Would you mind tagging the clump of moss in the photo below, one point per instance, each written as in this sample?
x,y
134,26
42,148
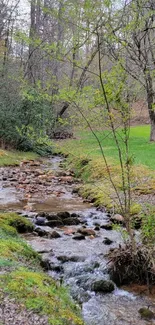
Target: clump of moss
x,y
21,224
12,247
41,293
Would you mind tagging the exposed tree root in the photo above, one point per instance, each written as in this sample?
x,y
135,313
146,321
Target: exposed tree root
x,y
128,266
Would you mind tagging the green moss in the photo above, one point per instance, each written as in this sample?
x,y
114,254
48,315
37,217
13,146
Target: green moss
x,y
41,293
24,280
10,222
12,246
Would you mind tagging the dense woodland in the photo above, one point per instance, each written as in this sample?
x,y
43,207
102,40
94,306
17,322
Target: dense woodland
x,y
67,59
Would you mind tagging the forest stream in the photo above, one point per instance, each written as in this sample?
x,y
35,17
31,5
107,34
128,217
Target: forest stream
x,y
73,238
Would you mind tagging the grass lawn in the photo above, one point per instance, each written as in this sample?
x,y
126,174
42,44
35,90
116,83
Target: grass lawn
x,y
85,159
141,149
11,158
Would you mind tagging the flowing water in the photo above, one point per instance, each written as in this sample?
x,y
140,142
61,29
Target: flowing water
x,y
77,263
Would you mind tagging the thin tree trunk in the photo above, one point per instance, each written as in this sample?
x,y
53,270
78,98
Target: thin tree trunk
x,y
152,134
150,102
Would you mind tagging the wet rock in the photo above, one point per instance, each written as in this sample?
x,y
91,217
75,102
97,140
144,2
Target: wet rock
x,y
79,237
52,217
107,241
117,218
71,221
87,232
63,215
72,258
40,221
55,267
70,231
79,294
102,286
45,262
41,232
63,258
146,313
54,234
97,228
107,226
75,215
54,223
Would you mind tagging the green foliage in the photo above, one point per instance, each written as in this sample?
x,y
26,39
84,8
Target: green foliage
x,y
25,119
148,226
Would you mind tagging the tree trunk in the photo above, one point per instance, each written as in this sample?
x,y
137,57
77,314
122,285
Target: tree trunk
x,y
151,103
152,135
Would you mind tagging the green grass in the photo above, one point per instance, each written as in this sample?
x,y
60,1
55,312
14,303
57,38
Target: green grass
x,y
22,278
141,149
12,158
86,161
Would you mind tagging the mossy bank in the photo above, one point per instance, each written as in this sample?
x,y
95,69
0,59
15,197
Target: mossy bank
x,y
22,278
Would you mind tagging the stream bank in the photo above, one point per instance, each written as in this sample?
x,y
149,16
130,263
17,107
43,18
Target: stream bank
x,y
76,255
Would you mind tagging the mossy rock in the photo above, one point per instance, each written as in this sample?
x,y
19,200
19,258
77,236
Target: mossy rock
x,y
103,286
146,313
15,221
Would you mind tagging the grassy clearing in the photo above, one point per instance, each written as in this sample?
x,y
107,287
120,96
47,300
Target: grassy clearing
x,y
86,161
142,150
13,158
21,277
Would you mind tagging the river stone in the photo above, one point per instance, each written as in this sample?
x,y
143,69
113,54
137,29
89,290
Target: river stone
x,y
50,217
55,267
63,258
40,221
146,313
71,221
72,258
117,218
102,286
54,223
63,215
107,226
87,232
97,228
45,263
107,241
41,232
78,237
54,234
75,215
